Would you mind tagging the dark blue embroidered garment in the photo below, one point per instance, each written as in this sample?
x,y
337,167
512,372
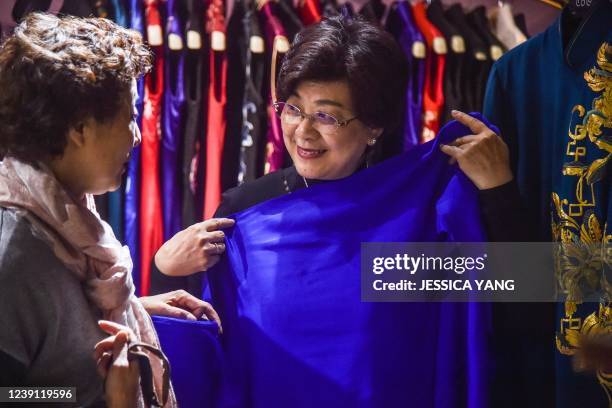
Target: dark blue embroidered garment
x,y
552,103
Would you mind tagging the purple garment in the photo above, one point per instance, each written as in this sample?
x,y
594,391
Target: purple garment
x,y
132,183
416,80
171,148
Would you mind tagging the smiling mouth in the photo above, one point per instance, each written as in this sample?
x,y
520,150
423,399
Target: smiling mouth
x,y
309,153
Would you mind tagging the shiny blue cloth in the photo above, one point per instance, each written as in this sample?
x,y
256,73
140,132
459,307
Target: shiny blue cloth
x,y
296,333
194,353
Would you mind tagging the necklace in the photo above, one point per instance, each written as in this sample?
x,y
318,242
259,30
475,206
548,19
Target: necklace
x,y
286,184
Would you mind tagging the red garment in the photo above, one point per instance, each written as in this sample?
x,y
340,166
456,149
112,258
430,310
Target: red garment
x,y
275,146
217,97
151,222
310,12
433,91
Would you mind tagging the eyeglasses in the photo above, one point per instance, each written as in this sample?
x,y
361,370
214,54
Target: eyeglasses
x,y
292,115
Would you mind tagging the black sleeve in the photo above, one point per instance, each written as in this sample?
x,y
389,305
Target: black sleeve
x,y
503,214
12,372
232,201
161,283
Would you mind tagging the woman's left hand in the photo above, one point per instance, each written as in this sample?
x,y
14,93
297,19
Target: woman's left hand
x,y
181,305
483,156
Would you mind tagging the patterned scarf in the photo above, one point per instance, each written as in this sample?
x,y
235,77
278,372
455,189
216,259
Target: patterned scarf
x,y
83,242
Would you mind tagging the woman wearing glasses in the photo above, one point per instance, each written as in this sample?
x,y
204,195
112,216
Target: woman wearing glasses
x,y
340,98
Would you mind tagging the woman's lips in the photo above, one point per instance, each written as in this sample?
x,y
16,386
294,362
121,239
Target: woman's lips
x,y
309,153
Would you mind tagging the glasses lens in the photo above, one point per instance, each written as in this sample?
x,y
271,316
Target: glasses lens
x,y
290,114
325,119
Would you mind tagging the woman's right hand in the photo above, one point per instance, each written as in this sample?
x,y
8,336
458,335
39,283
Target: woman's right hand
x,y
196,248
121,375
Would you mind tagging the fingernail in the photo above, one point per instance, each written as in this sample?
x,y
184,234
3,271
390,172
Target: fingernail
x,y
454,112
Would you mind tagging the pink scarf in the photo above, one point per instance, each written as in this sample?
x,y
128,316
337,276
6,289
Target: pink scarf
x,y
83,242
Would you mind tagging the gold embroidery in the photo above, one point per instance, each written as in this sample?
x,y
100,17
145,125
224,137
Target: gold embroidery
x,y
585,253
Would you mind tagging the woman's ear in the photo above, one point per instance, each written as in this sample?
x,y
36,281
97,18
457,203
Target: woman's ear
x,y
76,135
376,132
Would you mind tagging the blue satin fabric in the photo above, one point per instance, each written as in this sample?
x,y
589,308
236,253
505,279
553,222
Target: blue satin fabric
x,y
194,352
288,291
296,333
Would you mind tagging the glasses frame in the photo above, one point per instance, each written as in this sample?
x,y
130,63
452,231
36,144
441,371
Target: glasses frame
x,y
278,108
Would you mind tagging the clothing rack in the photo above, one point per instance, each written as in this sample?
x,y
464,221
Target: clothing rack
x,y
210,124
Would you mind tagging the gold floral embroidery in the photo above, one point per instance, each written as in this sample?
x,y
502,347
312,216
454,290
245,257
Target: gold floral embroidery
x,y
584,254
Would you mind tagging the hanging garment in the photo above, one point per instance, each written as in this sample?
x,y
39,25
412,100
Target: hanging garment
x,y
120,15
454,66
477,60
253,107
310,12
115,198
373,11
329,8
237,48
549,97
102,205
194,133
414,47
353,353
171,143
132,181
289,18
521,23
277,44
102,9
505,28
115,211
78,8
151,220
215,133
194,162
480,24
173,125
433,92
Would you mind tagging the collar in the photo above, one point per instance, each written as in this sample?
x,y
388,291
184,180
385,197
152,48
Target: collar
x,y
592,31
292,181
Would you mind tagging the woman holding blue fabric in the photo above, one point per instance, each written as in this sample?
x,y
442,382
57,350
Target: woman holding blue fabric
x,y
341,93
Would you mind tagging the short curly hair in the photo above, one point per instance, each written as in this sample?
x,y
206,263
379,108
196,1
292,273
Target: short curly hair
x,y
58,71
